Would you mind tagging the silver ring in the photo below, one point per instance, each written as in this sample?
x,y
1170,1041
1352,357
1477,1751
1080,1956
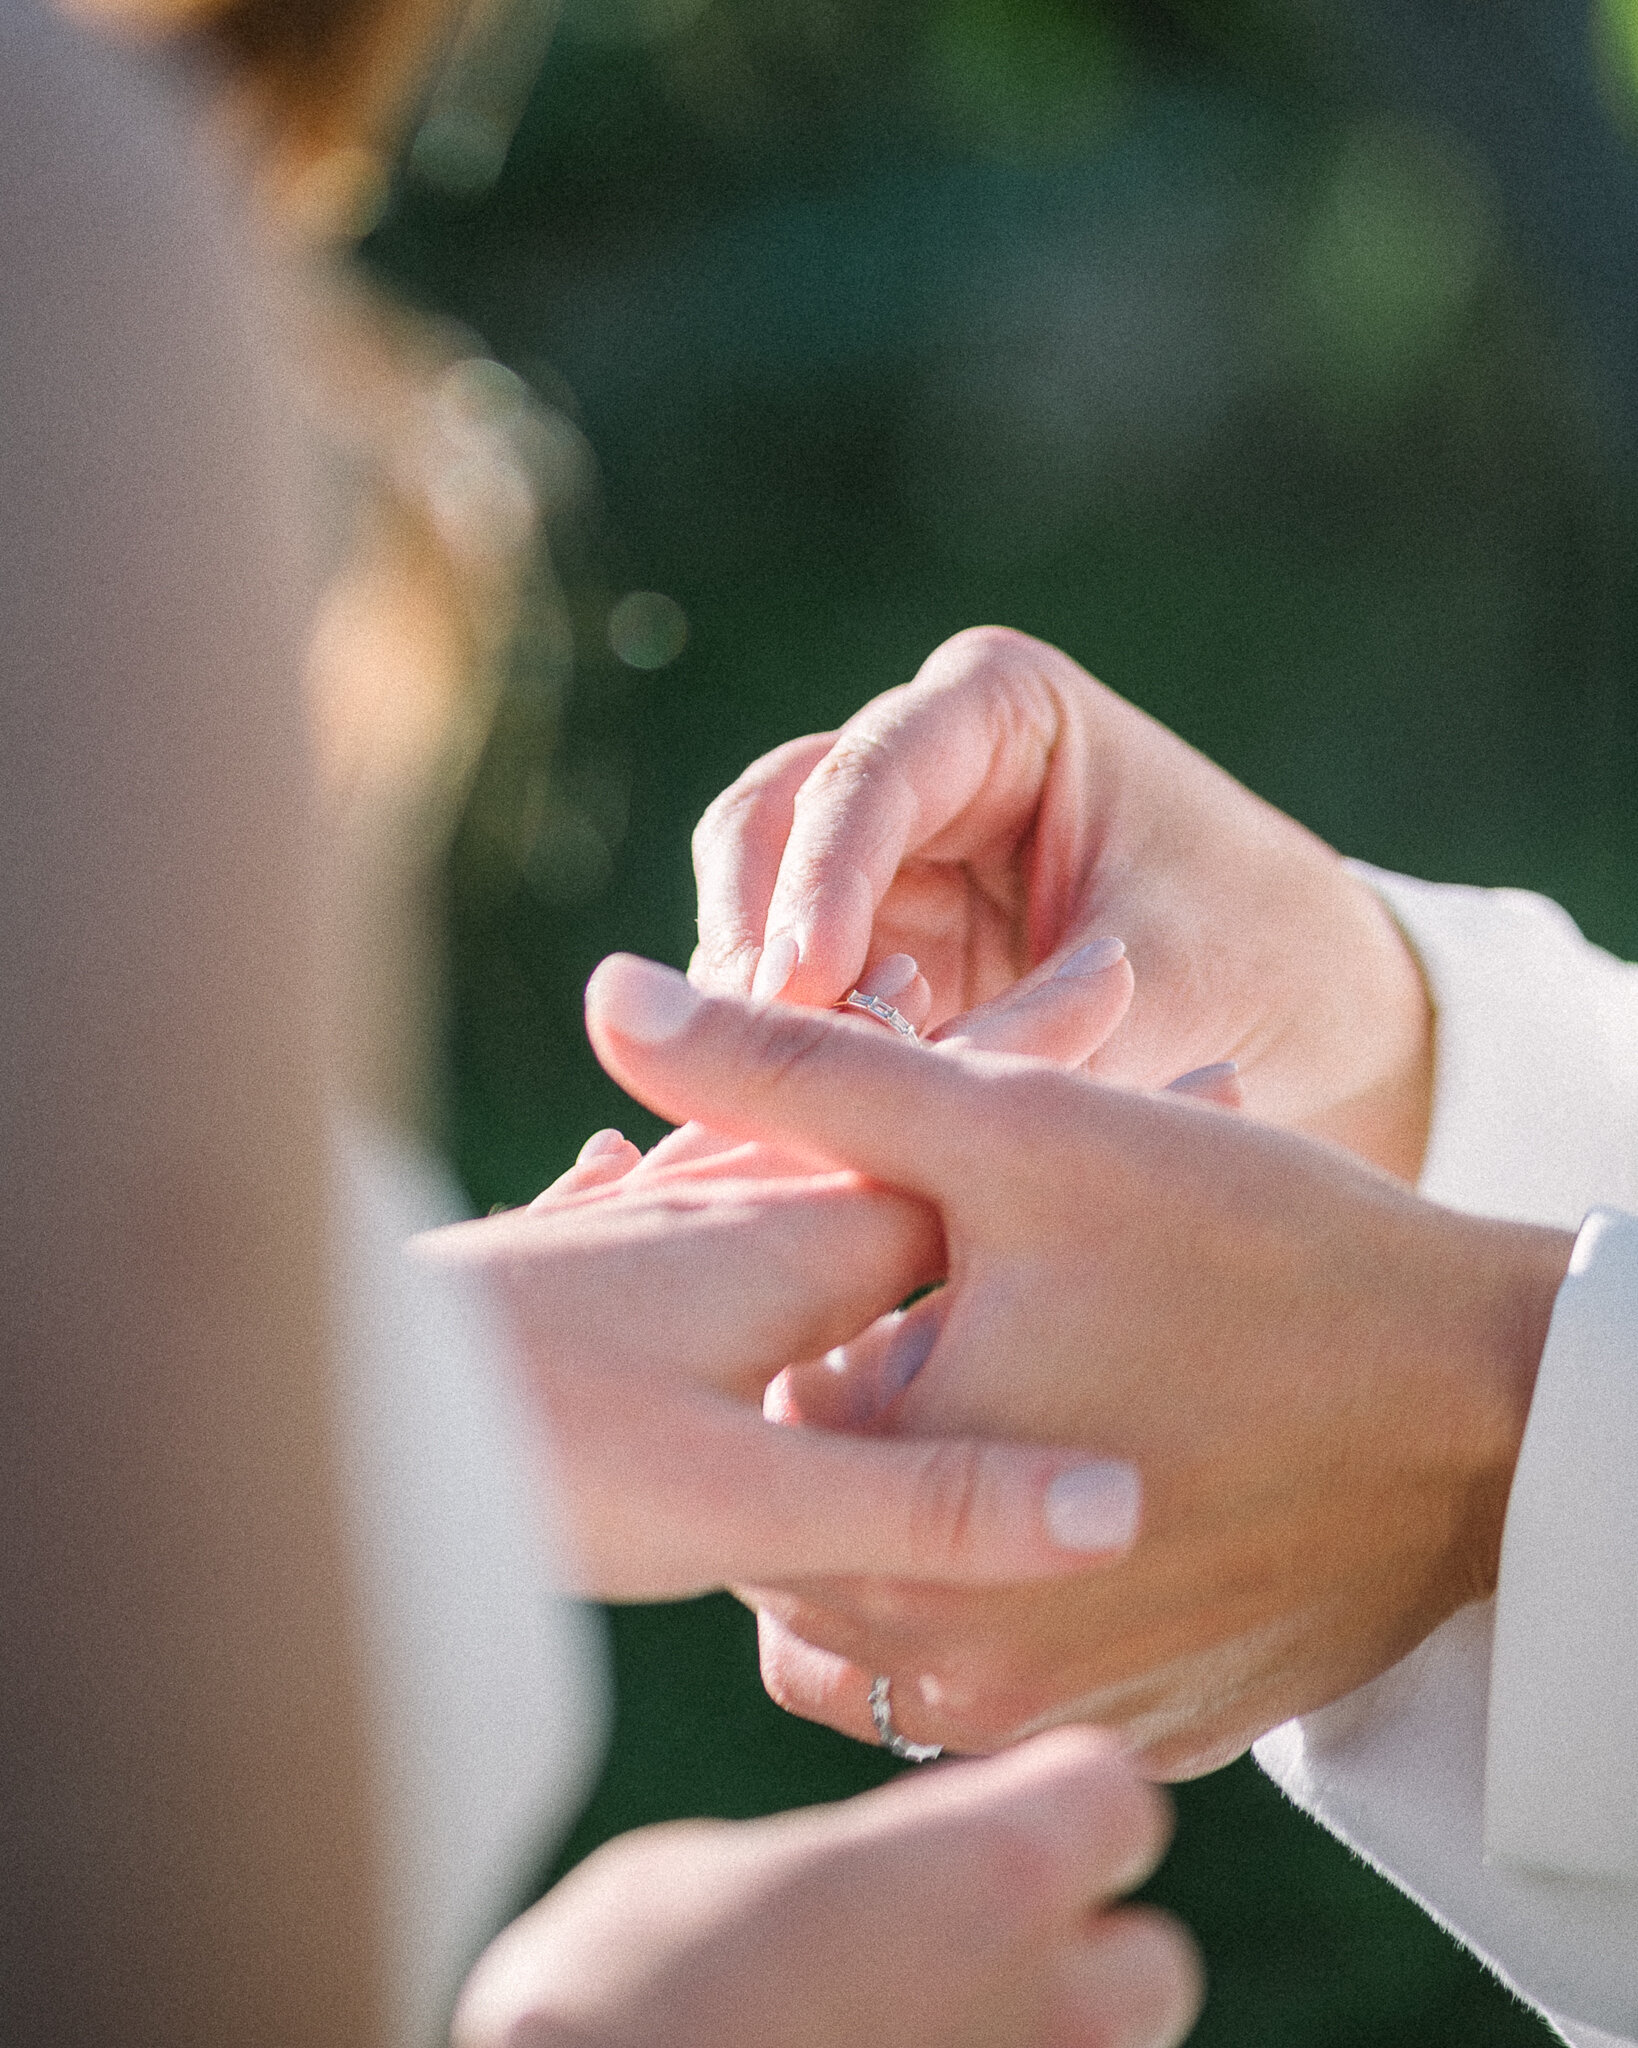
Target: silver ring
x,y
882,1011
881,1712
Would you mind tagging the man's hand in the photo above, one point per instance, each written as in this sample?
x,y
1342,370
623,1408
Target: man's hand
x,y
966,1907
1321,1380
1002,811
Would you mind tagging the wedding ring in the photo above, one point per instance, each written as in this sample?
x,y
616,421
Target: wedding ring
x,y
881,1712
882,1011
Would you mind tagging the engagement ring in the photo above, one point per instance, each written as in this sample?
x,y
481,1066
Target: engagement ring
x,y
883,1012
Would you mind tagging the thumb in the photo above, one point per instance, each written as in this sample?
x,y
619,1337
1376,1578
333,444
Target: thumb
x,y
840,1090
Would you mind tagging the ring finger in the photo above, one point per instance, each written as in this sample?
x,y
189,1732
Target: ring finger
x,y
821,1686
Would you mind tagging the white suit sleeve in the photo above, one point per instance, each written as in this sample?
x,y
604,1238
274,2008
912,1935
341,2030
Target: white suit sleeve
x,y
1493,1774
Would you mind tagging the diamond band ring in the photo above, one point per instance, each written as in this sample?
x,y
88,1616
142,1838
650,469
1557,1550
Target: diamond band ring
x,y
882,1011
881,1712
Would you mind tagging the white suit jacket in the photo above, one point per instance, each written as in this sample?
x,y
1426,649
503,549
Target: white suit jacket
x,y
1493,1774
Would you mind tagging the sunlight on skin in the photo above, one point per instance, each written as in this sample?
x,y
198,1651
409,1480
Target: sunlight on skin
x,y
1230,1336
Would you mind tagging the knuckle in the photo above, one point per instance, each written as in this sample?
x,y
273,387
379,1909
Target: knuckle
x,y
991,645
726,817
722,961
720,820
945,1502
783,1043
852,765
779,1680
793,1684
860,784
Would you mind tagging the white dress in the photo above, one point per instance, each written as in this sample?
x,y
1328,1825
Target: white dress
x,y
1493,1774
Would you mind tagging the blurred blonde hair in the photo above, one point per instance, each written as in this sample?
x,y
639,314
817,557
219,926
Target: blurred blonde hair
x,y
441,462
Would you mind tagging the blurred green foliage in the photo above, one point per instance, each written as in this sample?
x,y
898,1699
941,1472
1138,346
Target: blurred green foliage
x,y
1155,327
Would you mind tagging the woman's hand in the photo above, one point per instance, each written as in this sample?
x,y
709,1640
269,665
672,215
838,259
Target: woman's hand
x,y
651,1306
1320,1380
1002,811
964,1907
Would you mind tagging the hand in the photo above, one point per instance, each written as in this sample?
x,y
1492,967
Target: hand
x,y
1321,1379
1063,1011
1003,810
650,1309
964,1907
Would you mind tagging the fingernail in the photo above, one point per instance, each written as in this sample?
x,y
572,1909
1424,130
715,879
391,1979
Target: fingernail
x,y
1201,1080
1093,958
906,1354
890,977
775,968
640,999
600,1144
1094,1507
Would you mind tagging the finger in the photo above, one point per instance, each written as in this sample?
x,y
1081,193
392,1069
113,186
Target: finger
x,y
967,746
1064,1011
819,1682
1134,1980
899,980
813,1683
606,1156
692,1144
984,1870
837,1089
1089,1826
855,1383
698,1281
738,845
889,977
1218,1084
800,1502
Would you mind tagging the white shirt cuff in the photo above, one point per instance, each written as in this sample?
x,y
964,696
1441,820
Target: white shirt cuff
x,y
1535,1119
1561,1764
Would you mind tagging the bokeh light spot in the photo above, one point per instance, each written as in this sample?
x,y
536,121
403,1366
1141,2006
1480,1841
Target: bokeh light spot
x,y
647,629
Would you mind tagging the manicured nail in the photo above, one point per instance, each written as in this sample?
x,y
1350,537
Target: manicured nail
x,y
889,977
1094,1507
1095,958
600,1144
775,968
907,1352
640,999
1204,1080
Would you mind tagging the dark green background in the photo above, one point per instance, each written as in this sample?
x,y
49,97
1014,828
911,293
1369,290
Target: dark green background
x,y
1261,358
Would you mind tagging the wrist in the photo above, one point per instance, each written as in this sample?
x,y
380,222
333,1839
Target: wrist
x,y
1518,1270
1387,1121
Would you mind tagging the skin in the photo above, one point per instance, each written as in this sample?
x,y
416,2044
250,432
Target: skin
x,y
994,1879
650,1312
1322,1379
1002,809
972,1903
